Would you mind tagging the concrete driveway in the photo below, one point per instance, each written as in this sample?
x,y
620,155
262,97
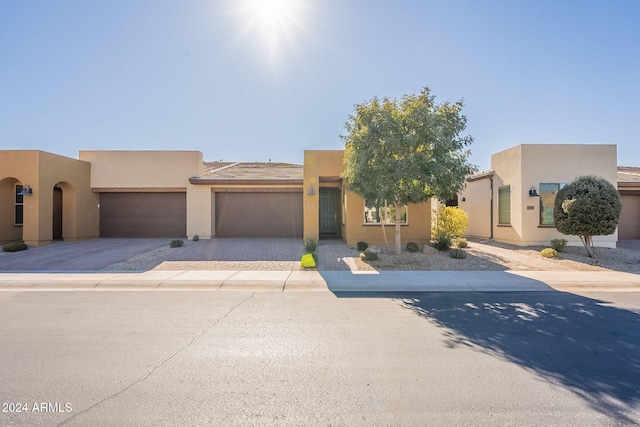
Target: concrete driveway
x,y
86,255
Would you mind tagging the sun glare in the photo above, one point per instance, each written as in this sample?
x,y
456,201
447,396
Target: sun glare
x,y
274,24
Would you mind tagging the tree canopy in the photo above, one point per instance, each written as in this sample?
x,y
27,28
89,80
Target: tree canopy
x,y
406,151
588,206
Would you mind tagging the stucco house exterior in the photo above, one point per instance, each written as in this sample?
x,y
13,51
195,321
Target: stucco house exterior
x,y
105,193
513,202
175,194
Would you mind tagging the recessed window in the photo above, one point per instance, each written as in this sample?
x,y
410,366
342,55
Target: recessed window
x,y
383,213
504,205
18,217
548,193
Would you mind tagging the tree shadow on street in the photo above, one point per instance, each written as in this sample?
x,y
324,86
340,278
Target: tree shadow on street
x,y
582,344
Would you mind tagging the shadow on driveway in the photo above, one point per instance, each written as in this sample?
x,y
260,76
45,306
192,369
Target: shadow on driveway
x,y
582,344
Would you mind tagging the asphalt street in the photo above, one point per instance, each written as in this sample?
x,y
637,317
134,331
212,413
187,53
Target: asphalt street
x,y
79,358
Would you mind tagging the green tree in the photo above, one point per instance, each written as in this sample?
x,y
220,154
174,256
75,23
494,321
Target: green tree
x,y
406,151
589,206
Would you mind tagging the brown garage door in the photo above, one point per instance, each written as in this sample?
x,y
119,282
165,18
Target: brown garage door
x,y
629,225
143,214
258,214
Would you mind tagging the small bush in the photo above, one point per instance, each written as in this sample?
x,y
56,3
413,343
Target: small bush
x,y
308,261
195,238
442,243
176,243
15,247
549,253
362,246
461,243
413,247
559,244
368,256
457,253
310,245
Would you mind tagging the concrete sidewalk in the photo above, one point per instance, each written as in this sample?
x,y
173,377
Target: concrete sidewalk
x,y
335,281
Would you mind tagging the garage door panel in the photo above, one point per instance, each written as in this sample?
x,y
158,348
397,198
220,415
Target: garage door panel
x,y
629,225
258,214
143,215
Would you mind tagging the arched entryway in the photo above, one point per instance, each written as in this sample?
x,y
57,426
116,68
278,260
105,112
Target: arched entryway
x,y
64,211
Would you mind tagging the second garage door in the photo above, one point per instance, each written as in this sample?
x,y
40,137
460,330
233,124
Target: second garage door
x,y
258,214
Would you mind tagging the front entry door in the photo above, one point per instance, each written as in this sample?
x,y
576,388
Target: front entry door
x,y
329,211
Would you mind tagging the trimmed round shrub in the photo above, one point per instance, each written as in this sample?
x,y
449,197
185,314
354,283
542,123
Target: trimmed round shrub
x,y
176,243
461,243
413,247
15,247
362,246
308,261
549,253
196,238
368,256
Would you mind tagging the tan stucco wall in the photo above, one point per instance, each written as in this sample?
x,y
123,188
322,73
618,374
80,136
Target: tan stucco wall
x,y
142,169
475,200
320,164
42,171
154,171
529,165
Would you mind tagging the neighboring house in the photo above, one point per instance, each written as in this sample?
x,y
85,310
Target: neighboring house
x,y
514,201
176,194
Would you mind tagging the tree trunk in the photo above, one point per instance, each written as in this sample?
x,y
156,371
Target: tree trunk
x,y
587,241
398,240
384,230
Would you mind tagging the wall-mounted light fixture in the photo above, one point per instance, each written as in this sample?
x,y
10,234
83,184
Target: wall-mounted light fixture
x,y
464,199
26,191
533,192
311,191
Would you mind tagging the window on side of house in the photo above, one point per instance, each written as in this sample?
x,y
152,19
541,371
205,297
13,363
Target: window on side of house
x,y
504,205
19,207
383,212
548,193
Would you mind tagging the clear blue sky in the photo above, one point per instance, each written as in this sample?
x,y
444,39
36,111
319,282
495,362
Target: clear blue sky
x,y
241,81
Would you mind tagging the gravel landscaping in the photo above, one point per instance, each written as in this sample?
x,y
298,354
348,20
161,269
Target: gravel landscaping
x,y
484,255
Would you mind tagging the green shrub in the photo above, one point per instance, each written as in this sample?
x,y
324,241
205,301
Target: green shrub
x,y
442,243
308,261
368,256
549,253
195,238
457,253
310,244
559,244
413,247
450,222
176,243
461,243
15,247
362,246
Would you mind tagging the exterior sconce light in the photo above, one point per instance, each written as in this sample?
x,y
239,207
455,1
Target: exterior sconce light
x,y
311,191
533,192
26,191
464,199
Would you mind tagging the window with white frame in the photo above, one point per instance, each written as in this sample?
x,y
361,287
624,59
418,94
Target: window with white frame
x,y
18,217
382,212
